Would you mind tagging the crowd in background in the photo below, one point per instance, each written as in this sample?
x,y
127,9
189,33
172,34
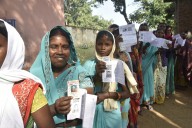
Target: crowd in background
x,y
38,98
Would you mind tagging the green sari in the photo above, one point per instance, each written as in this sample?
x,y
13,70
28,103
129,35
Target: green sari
x,y
170,86
148,61
57,87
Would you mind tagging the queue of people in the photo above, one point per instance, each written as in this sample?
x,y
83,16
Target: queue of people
x,y
38,97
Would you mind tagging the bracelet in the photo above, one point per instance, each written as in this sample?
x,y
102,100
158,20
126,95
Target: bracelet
x,y
119,95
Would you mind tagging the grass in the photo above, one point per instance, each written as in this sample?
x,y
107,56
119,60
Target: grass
x,y
85,53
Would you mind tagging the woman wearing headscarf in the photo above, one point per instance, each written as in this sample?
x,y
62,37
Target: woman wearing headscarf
x,y
55,65
170,83
148,60
113,105
128,59
160,73
21,95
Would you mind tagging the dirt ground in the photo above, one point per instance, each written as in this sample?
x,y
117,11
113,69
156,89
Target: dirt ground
x,y
176,112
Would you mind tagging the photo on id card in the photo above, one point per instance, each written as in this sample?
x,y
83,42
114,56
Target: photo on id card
x,y
73,90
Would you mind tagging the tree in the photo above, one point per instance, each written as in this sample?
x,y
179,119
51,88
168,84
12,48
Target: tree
x,y
154,12
78,13
151,11
120,6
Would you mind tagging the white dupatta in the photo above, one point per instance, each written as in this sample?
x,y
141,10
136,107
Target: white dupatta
x,y
10,72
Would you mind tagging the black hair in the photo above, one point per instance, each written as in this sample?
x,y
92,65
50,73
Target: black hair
x,y
160,29
106,33
3,29
115,28
167,27
143,25
59,31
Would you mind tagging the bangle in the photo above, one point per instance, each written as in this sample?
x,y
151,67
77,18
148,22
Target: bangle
x,y
118,96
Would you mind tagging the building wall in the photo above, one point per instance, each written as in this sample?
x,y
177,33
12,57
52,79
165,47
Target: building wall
x,y
183,15
84,41
33,19
82,36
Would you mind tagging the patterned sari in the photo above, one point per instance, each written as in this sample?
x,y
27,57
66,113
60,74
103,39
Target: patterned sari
x,y
135,101
159,81
19,89
28,95
57,87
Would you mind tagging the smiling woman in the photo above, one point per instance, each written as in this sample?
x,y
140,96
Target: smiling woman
x,y
55,65
59,51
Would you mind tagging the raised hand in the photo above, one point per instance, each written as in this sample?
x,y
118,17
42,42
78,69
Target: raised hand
x,y
62,105
100,67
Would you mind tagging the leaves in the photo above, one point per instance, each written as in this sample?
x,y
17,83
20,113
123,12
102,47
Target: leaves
x,y
78,13
153,12
120,6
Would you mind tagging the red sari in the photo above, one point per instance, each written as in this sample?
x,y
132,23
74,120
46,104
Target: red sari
x,y
24,92
135,100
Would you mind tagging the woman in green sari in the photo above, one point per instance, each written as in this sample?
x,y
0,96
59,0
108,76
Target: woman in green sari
x,y
55,65
149,59
170,85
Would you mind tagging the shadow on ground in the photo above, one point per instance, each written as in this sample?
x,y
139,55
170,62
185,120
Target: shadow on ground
x,y
176,112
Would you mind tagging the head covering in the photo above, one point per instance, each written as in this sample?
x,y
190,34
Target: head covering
x,y
122,70
42,64
10,72
112,51
43,70
15,51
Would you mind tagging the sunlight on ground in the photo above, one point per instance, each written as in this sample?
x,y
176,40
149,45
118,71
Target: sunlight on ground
x,y
166,119
179,102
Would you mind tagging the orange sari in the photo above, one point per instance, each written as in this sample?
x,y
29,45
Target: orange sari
x,y
24,92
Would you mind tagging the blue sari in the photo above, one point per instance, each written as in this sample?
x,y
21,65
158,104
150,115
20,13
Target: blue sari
x,y
148,61
108,119
170,85
57,87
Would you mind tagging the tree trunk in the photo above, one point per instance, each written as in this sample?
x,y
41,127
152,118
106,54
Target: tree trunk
x,y
124,13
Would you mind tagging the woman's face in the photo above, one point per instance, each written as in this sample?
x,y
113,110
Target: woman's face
x,y
169,31
3,49
104,46
143,28
160,33
59,51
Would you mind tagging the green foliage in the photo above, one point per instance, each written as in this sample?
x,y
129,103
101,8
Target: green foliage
x,y
78,13
153,12
120,6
